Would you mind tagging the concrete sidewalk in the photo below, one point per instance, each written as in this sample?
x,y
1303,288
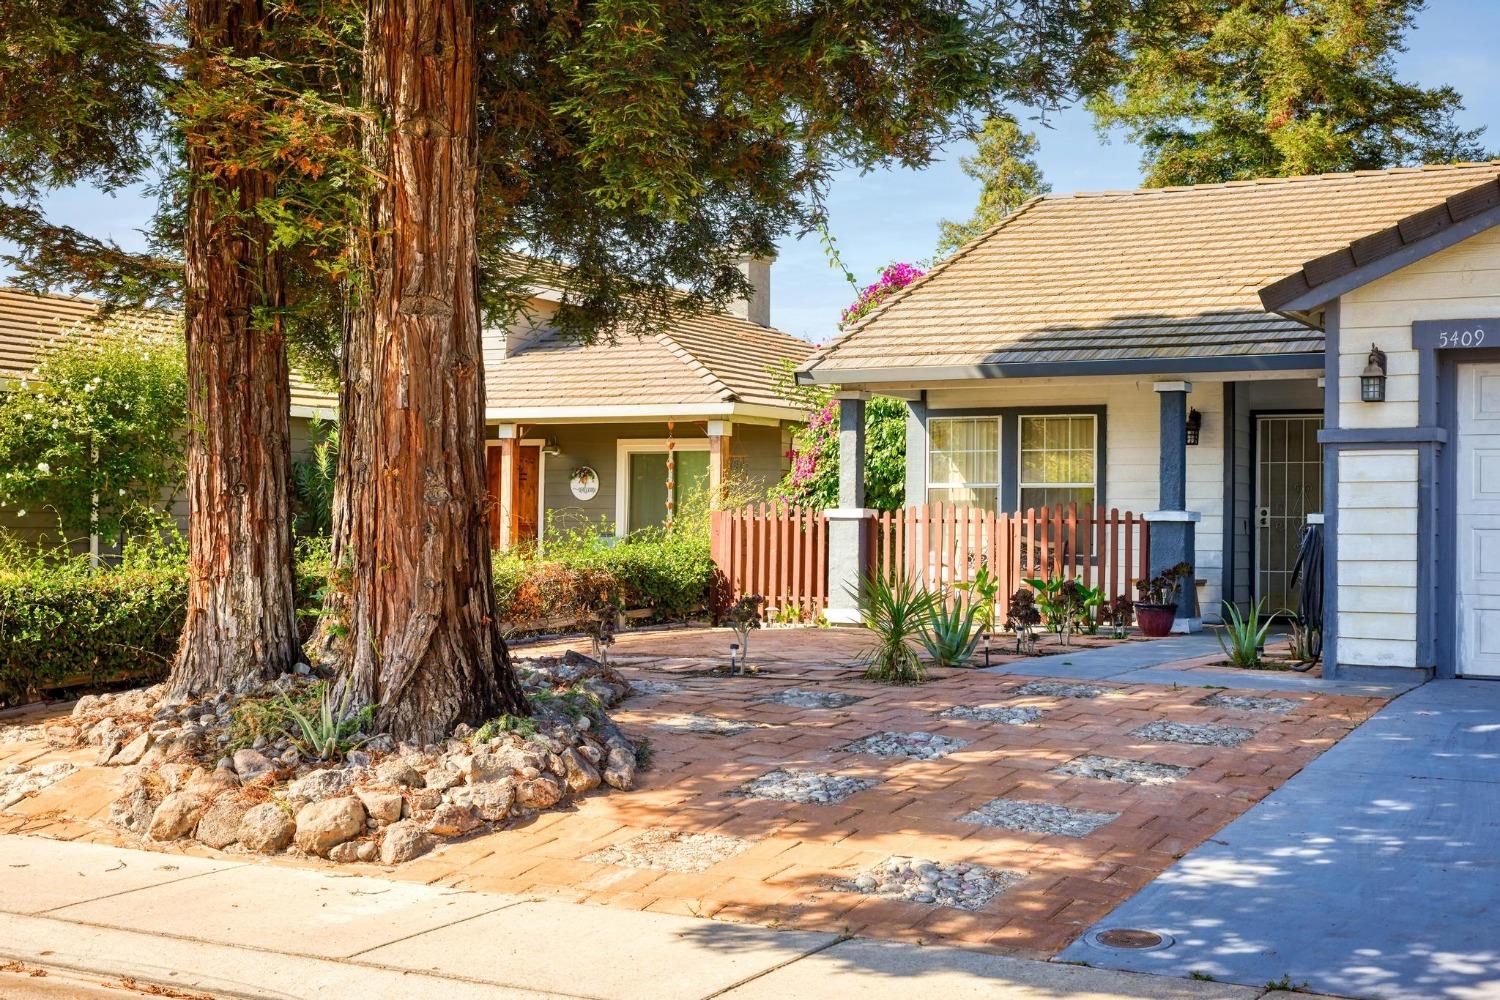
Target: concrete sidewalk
x,y
1373,872
261,930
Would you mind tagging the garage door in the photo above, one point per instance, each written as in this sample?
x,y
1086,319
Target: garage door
x,y
1478,517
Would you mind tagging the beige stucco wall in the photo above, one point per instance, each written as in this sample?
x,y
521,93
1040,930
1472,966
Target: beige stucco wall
x,y
1377,498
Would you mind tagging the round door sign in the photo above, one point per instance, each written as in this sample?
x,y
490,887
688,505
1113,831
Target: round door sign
x,y
585,483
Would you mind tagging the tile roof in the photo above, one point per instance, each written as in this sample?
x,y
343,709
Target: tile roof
x,y
28,323
1159,273
707,359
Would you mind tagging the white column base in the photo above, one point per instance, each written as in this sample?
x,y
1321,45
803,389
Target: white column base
x,y
843,617
1187,626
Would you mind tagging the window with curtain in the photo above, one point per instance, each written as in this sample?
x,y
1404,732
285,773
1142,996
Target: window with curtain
x,y
1058,460
963,461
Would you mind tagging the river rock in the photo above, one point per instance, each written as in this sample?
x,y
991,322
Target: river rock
x,y
321,825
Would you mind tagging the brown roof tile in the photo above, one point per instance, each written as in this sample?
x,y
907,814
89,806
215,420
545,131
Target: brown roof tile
x,y
1152,274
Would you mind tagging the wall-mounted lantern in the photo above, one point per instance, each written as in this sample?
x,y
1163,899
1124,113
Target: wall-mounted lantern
x,y
1194,426
1372,379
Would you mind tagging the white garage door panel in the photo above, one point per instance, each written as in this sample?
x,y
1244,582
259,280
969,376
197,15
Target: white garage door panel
x,y
1477,521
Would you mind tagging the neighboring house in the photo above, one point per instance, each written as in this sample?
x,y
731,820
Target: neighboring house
x,y
581,433
557,411
1074,351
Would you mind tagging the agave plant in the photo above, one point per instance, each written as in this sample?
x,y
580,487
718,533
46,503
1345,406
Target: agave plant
x,y
330,731
895,609
1243,636
949,635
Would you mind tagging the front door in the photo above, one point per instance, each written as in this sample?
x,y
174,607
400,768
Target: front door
x,y
1288,487
528,486
1478,520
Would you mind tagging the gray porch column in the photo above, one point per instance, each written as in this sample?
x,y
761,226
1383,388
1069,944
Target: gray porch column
x,y
1173,526
848,532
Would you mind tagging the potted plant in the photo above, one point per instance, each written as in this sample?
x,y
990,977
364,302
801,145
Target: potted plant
x,y
1156,607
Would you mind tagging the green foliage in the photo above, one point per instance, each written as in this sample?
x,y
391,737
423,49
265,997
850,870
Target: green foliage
x,y
312,482
1164,586
813,479
1004,163
575,703
1218,90
1243,636
322,726
950,634
96,430
896,609
984,590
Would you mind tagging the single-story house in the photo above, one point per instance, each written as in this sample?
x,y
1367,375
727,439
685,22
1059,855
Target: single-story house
x,y
1235,361
580,434
583,433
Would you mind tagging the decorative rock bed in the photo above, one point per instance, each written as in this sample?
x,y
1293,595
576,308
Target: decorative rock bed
x,y
18,781
1038,817
1134,772
806,787
1059,689
1203,734
649,688
671,851
803,698
913,746
1006,715
1250,703
958,885
189,774
707,725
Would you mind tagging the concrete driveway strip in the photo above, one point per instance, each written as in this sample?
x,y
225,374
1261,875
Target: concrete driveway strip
x,y
287,909
223,970
1372,873
888,970
601,951
38,874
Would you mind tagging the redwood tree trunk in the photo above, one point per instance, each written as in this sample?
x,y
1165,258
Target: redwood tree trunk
x,y
241,624
420,639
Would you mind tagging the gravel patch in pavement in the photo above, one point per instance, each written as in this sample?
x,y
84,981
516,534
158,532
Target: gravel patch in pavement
x,y
671,851
1007,715
1058,689
803,698
1134,772
650,687
708,725
959,885
1038,817
1203,734
912,746
18,781
806,787
1250,703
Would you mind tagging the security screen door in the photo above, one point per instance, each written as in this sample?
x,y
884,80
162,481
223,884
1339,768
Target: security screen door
x,y
1288,487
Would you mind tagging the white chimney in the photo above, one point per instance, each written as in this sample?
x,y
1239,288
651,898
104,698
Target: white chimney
x,y
757,307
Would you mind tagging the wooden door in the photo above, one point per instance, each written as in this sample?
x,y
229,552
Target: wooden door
x,y
494,462
528,493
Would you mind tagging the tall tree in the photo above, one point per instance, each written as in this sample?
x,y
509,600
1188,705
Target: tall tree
x,y
1218,90
1004,163
241,626
422,639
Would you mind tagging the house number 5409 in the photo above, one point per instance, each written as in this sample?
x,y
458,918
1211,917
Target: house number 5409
x,y
1461,338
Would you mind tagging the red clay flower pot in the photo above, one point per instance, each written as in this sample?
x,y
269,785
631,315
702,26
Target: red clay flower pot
x,y
1155,620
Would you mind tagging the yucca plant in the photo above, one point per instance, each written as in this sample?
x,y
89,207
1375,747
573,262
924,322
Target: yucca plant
x,y
327,733
895,609
1243,636
949,635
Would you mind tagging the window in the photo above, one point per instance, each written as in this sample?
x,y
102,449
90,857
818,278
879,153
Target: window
x,y
1057,460
642,482
963,461
1014,460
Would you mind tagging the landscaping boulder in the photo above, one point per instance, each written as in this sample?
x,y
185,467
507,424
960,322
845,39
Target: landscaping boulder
x,y
322,825
539,793
619,768
383,807
398,772
329,783
404,841
344,853
492,765
132,752
493,799
580,775
252,764
177,815
265,828
220,824
452,819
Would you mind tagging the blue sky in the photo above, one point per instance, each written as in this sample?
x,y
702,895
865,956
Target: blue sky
x,y
893,215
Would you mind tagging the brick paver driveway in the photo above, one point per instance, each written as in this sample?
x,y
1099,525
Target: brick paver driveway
x,y
796,863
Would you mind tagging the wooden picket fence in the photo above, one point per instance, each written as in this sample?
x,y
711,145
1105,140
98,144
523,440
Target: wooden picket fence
x,y
777,551
781,552
943,546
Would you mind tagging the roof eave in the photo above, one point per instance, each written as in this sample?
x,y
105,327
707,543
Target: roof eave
x,y
1297,361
